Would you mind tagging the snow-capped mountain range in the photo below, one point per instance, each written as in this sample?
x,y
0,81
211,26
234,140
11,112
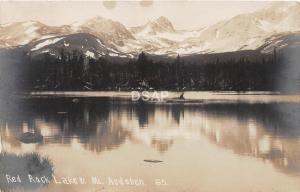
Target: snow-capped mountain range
x,y
100,36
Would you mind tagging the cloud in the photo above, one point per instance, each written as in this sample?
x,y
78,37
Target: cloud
x,y
111,4
146,3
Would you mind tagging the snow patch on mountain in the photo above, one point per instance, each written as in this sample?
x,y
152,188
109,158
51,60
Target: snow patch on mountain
x,y
241,32
113,54
29,23
66,44
90,54
30,30
46,43
101,44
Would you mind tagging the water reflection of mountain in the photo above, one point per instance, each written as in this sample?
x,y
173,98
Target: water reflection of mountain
x,y
270,132
265,131
62,121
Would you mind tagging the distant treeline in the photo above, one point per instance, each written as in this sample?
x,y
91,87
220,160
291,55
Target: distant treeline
x,y
74,71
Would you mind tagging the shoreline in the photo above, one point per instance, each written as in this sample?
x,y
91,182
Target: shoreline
x,y
189,96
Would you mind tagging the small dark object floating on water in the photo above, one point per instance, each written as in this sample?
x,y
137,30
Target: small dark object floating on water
x,y
30,137
152,161
181,96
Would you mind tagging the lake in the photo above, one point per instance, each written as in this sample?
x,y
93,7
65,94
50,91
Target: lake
x,y
234,142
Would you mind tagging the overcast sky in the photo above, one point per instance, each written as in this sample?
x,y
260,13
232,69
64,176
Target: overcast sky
x,y
183,14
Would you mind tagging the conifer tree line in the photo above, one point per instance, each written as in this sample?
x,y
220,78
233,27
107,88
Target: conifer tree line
x,y
75,71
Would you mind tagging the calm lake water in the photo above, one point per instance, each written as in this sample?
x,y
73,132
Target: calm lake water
x,y
246,145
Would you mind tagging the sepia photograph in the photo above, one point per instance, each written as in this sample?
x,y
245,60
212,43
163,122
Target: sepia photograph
x,y
149,96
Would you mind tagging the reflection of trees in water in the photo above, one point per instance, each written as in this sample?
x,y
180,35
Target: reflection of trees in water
x,y
139,120
266,131
177,112
62,120
143,111
278,119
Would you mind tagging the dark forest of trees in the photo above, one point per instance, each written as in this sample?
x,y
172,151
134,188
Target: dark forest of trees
x,y
74,71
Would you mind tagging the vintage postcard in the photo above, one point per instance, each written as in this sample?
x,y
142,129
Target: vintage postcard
x,y
149,96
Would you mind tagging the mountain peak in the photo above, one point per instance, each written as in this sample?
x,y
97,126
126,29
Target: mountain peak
x,y
162,24
30,22
280,5
163,19
105,28
159,25
99,20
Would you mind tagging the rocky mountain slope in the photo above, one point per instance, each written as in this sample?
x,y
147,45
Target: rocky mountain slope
x,y
249,31
88,44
